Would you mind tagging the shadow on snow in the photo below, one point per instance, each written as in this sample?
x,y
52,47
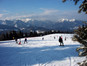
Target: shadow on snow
x,y
18,56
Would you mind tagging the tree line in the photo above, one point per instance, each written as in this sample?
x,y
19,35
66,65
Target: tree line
x,y
11,35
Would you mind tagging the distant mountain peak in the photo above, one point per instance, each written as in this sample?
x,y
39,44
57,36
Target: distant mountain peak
x,y
15,25
72,20
26,20
4,23
62,20
65,19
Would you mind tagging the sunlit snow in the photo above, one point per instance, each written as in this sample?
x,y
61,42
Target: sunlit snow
x,y
38,52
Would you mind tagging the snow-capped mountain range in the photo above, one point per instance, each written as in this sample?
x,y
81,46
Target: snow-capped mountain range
x,y
29,24
69,20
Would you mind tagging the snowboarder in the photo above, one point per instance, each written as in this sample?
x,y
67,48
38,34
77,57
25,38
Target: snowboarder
x,y
25,41
61,41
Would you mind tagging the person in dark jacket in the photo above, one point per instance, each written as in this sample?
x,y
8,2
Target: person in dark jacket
x,y
61,41
25,41
42,38
16,40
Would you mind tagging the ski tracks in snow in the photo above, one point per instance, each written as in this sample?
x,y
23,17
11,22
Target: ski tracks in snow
x,y
38,52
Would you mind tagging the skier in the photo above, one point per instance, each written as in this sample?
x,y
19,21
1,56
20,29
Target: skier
x,y
25,40
54,37
65,38
42,38
16,40
61,41
19,41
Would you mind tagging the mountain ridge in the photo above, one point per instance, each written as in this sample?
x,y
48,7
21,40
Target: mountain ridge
x,y
63,24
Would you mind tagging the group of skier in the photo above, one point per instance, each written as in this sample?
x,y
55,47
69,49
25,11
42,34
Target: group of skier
x,y
19,42
60,40
25,40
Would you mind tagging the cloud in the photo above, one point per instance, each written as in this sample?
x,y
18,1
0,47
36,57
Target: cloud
x,y
46,14
17,16
5,11
1,15
48,11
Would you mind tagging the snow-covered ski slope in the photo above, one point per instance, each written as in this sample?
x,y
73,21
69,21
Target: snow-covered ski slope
x,y
38,52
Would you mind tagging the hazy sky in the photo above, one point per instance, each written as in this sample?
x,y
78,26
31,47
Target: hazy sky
x,y
40,9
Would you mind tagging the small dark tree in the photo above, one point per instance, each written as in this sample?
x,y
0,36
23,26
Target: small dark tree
x,y
2,37
7,36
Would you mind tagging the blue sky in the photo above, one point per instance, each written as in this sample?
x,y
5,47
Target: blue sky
x,y
40,9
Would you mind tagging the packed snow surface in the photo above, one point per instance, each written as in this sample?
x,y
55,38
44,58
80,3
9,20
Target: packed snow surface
x,y
38,52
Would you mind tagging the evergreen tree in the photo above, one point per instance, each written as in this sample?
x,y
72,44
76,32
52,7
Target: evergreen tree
x,y
81,32
82,7
81,37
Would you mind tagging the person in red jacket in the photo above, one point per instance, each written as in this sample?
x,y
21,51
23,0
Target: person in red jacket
x,y
20,42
